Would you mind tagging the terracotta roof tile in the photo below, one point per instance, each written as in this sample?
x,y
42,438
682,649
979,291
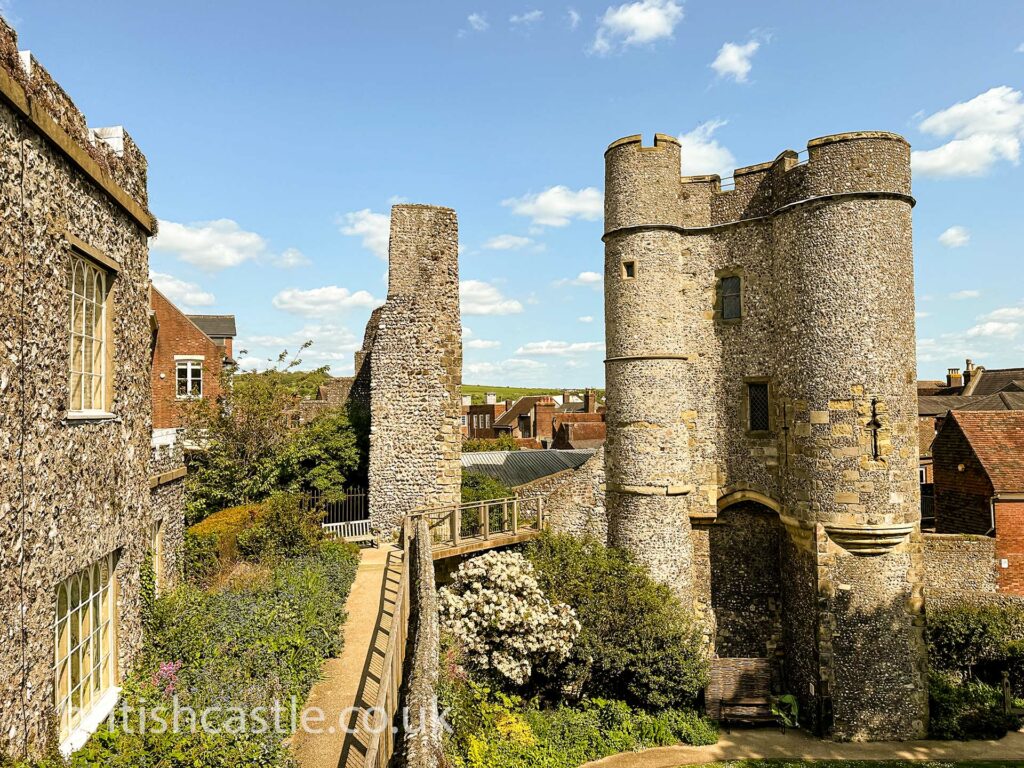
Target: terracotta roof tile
x,y
997,438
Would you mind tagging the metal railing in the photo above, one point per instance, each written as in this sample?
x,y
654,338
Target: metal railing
x,y
353,507
381,745
481,521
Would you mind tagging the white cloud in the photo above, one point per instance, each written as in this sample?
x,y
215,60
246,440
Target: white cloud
x,y
586,319
507,243
1007,313
996,329
965,294
559,347
518,370
591,279
922,315
373,228
733,60
955,237
527,18
1020,48
574,18
702,154
480,298
557,206
183,294
636,23
333,345
983,130
209,245
478,22
291,258
482,344
322,302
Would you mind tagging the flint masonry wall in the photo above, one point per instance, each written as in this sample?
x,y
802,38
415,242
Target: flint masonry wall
x,y
823,250
71,491
414,353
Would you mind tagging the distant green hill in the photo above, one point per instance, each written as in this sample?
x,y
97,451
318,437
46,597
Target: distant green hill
x,y
477,391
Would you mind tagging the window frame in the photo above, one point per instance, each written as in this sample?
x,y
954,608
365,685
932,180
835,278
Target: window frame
x,y
96,616
629,269
720,277
101,272
770,394
189,361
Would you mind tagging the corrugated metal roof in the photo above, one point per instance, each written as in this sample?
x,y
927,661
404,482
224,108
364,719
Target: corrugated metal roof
x,y
515,468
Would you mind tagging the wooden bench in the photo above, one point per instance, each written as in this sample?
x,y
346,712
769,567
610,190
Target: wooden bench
x,y
353,530
739,691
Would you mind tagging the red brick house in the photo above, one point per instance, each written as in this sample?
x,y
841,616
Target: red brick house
x,y
579,425
220,328
186,362
480,417
529,420
979,484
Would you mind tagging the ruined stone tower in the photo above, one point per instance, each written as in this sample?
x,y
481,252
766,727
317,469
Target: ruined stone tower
x,y
762,447
409,372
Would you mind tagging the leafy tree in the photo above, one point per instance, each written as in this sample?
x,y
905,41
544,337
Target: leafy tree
x,y
638,643
239,435
480,487
505,442
321,456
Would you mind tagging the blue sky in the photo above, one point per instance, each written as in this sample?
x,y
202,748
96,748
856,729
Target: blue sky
x,y
279,134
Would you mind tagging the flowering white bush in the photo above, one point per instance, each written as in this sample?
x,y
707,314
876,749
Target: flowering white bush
x,y
497,611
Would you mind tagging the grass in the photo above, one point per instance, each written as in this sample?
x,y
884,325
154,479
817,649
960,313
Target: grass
x,y
477,391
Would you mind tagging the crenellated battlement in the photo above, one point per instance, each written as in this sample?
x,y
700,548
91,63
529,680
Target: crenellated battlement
x,y
109,155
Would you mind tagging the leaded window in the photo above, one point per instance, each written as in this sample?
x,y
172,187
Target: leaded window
x,y
758,406
87,294
85,666
730,298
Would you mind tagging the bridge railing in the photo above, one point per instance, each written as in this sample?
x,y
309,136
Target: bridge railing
x,y
381,745
479,521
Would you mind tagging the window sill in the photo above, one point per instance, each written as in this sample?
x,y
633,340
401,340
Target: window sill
x,y
99,712
89,416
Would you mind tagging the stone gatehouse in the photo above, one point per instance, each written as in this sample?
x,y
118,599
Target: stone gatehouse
x,y
762,425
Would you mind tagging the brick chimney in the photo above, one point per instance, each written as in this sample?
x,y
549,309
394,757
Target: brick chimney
x,y
490,398
544,418
969,371
566,396
954,378
590,401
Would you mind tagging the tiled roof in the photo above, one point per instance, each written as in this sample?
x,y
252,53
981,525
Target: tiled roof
x,y
1001,401
926,435
997,438
515,468
938,405
215,326
990,382
520,407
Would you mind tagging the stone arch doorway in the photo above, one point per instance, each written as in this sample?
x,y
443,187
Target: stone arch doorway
x,y
745,554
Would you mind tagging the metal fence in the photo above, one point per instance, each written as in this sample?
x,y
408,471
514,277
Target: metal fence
x,y
352,508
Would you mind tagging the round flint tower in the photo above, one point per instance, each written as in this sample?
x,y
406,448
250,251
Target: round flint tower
x,y
647,453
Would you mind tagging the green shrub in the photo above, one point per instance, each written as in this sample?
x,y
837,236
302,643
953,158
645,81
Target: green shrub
x,y
199,554
285,527
977,640
226,525
966,709
638,642
503,443
493,729
260,639
480,487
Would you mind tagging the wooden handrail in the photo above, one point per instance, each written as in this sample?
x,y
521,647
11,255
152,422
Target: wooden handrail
x,y
490,521
381,745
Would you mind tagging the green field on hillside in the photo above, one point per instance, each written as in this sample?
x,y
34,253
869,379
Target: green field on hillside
x,y
477,391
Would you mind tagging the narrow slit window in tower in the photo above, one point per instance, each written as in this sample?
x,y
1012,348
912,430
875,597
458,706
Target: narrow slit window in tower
x,y
757,406
629,269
